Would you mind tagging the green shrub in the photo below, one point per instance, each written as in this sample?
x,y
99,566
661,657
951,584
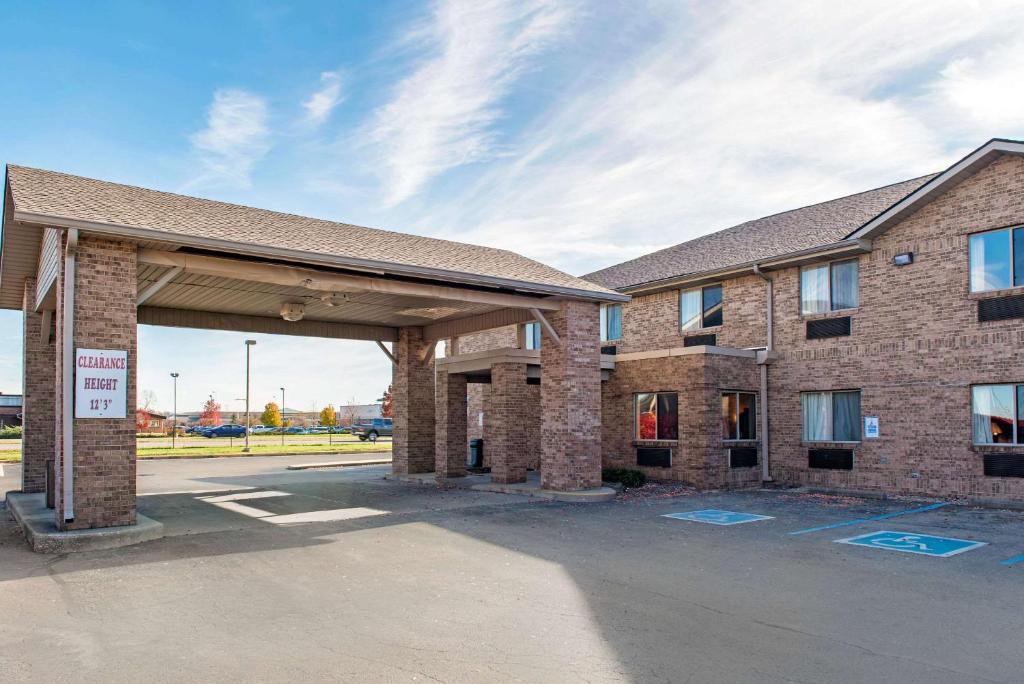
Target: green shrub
x,y
629,479
13,432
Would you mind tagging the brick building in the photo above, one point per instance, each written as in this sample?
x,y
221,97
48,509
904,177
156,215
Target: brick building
x,y
883,332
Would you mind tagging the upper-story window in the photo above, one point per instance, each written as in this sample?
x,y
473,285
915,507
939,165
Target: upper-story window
x,y
700,307
828,287
531,335
611,322
997,259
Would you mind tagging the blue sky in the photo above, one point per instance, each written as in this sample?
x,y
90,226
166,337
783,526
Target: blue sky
x,y
580,134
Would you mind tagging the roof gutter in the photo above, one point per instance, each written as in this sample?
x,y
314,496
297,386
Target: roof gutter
x,y
373,266
834,249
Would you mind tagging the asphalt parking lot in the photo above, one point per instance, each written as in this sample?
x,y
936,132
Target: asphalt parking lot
x,y
337,574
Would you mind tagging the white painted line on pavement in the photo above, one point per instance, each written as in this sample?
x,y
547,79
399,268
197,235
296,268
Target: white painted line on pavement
x,y
244,496
243,510
198,491
325,516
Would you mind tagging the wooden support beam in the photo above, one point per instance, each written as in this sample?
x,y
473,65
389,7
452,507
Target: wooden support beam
x,y
387,352
158,285
547,327
323,281
211,320
428,351
470,324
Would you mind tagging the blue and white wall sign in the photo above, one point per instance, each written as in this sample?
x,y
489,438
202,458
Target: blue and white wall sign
x,y
909,542
717,517
870,427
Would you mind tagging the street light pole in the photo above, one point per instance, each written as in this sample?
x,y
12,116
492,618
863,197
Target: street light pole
x,y
248,346
174,419
282,416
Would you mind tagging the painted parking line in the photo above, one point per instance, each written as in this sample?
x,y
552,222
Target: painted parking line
x,y
714,516
1014,560
884,516
910,542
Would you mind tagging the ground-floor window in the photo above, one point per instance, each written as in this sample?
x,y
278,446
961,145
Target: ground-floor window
x,y
831,416
739,415
657,415
998,414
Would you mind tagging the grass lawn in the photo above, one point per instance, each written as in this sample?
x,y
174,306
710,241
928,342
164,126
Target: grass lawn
x,y
256,450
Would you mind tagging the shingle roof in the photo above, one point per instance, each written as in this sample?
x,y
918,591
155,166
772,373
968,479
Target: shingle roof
x,y
764,238
54,194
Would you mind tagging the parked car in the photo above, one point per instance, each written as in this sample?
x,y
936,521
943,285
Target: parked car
x,y
226,430
262,429
295,430
371,430
319,430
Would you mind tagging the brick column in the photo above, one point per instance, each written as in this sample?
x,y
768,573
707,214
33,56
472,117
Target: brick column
x,y
451,442
412,450
103,452
38,426
570,397
505,423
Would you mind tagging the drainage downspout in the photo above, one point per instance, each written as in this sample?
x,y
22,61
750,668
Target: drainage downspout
x,y
766,475
68,379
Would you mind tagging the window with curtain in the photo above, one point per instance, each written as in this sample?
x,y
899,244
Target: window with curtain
x,y
996,259
829,287
611,322
831,416
997,414
700,307
531,334
657,415
739,415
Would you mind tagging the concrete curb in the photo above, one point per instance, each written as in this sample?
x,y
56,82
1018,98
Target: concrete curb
x,y
597,495
338,464
252,455
36,521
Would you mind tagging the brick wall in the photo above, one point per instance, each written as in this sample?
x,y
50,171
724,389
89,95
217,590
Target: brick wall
x,y
104,449
450,425
38,404
916,348
414,405
700,456
504,422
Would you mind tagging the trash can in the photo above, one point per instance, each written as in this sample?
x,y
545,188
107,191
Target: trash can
x,y
476,453
51,485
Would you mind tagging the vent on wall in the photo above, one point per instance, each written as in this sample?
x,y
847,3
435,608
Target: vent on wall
x,y
1004,465
828,327
1001,308
654,457
830,459
700,341
608,349
743,457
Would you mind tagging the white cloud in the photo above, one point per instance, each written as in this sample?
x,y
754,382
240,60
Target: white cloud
x,y
443,114
984,90
236,137
321,103
757,108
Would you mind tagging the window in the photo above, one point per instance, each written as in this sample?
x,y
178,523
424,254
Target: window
x,y
997,259
611,322
831,416
700,307
828,287
657,416
532,335
998,414
739,415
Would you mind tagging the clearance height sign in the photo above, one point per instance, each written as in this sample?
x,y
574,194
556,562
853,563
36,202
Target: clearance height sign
x,y
101,383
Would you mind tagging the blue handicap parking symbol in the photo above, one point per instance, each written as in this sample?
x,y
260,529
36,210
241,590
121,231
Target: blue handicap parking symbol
x,y
909,542
716,517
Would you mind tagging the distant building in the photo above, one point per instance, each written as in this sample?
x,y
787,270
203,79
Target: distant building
x,y
151,422
10,410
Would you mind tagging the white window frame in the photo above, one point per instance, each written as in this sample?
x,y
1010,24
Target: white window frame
x,y
1011,231
831,303
832,418
529,336
700,296
737,438
1018,439
605,320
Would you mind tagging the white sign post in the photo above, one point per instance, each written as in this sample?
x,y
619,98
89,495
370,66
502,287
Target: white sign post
x,y
101,383
870,427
